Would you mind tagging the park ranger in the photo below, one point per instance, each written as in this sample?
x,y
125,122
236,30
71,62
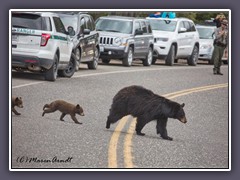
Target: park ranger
x,y
220,43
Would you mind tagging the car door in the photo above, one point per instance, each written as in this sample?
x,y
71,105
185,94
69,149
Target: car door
x,y
182,39
87,39
145,37
63,40
83,39
189,38
139,41
92,38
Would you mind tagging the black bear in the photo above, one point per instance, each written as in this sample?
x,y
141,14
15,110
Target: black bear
x,y
16,101
65,108
145,106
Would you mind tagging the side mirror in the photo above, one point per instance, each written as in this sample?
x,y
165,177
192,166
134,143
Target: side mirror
x,y
86,31
70,31
182,30
138,32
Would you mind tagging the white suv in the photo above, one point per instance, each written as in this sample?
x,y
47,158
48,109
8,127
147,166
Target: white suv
x,y
40,43
174,39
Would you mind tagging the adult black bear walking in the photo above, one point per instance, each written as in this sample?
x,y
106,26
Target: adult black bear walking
x,y
145,106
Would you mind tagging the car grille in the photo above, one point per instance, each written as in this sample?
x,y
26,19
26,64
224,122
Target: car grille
x,y
106,40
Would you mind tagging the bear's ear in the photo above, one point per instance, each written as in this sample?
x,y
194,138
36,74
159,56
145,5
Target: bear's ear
x,y
18,98
182,104
78,106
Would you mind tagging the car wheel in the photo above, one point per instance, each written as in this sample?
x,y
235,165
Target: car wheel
x,y
149,58
171,56
70,69
127,61
51,74
94,63
193,59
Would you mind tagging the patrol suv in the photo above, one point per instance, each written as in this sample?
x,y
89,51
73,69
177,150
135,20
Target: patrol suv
x,y
174,39
126,39
40,43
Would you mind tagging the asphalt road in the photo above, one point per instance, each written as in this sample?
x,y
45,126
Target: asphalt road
x,y
46,142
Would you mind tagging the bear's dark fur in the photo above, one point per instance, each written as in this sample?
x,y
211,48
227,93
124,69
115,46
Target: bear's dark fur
x,y
16,101
65,108
145,106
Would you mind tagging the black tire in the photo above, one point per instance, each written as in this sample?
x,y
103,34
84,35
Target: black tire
x,y
94,63
171,56
106,61
51,74
70,69
193,59
149,58
127,61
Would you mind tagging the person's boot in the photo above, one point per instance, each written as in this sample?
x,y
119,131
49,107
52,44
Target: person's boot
x,y
219,73
214,71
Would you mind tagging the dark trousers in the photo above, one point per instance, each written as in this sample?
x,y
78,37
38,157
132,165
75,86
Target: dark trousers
x,y
217,57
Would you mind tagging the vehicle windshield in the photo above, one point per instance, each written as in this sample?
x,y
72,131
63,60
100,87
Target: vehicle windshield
x,y
205,33
112,25
163,25
70,21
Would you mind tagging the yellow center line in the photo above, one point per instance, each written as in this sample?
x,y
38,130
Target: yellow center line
x,y
128,163
112,150
195,89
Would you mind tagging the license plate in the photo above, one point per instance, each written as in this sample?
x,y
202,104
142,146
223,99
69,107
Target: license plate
x,y
101,49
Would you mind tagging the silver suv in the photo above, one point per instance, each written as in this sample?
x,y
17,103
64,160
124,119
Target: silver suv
x,y
175,39
125,38
40,43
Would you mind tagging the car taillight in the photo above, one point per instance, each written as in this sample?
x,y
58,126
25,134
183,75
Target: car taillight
x,y
44,39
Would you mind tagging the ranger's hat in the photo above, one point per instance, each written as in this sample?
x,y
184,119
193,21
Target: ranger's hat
x,y
221,15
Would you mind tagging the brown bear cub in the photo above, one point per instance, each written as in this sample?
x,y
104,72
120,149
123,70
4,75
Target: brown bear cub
x,y
146,106
16,101
65,108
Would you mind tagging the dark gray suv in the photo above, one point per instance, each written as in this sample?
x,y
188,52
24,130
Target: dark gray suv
x,y
126,39
81,28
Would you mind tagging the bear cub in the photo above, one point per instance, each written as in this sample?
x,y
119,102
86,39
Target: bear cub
x,y
65,108
16,101
145,106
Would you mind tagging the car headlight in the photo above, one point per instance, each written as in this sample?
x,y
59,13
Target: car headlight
x,y
118,41
161,39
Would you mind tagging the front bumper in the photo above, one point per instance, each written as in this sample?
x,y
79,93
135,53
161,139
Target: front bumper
x,y
112,52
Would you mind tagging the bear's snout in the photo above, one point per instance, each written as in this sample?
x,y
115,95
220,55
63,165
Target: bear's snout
x,y
183,120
